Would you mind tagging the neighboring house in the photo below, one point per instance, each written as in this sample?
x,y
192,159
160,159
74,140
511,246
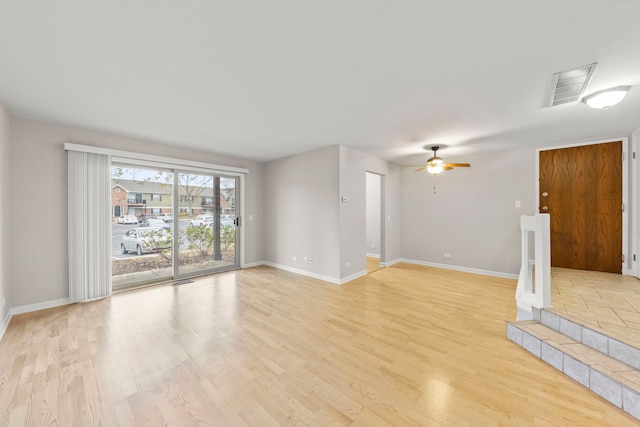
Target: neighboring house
x,y
130,197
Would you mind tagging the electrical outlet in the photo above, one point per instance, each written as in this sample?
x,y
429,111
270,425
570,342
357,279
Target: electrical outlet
x,y
518,204
447,255
306,259
311,260
293,258
348,264
373,245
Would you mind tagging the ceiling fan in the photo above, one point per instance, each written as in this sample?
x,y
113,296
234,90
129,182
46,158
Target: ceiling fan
x,y
435,164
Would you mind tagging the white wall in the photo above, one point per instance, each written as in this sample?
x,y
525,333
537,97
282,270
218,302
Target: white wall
x,y
38,202
472,216
353,167
5,203
373,214
302,213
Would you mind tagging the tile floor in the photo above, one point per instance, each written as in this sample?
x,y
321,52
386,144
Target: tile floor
x,y
606,301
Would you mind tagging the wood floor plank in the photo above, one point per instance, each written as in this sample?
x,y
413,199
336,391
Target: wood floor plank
x,y
404,345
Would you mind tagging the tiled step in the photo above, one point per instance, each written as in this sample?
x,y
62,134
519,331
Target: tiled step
x,y
615,381
615,347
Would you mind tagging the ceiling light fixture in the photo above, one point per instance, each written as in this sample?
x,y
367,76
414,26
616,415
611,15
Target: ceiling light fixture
x,y
606,98
435,164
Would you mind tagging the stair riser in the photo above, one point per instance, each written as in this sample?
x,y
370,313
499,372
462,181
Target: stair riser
x,y
596,381
611,347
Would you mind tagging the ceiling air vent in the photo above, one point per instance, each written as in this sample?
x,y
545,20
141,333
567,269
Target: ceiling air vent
x,y
568,86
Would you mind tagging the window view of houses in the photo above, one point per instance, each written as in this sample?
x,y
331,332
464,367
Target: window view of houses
x,y
146,230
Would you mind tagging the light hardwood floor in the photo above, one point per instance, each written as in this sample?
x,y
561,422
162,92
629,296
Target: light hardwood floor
x,y
404,346
373,264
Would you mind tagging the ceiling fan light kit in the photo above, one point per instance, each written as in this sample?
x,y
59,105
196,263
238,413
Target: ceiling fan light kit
x,y
606,98
434,169
436,164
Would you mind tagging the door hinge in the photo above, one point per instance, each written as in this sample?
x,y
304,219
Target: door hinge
x,y
623,207
623,157
622,257
633,154
634,257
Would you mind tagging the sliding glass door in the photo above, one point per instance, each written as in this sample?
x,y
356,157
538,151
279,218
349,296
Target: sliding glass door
x,y
141,235
169,224
207,207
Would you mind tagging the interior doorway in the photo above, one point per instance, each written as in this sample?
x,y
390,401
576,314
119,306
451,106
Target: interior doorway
x,y
581,190
374,224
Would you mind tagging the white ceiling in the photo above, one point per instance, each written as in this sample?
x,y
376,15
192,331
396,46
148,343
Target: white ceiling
x,y
267,79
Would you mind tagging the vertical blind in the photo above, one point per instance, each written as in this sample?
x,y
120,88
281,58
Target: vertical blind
x,y
89,226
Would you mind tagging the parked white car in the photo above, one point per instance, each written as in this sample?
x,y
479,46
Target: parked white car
x,y
128,219
147,239
166,217
202,219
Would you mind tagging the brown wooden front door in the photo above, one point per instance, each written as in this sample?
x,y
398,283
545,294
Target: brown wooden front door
x,y
581,190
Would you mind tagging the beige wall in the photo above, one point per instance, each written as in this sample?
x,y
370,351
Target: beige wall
x,y
5,176
472,215
354,166
38,256
305,215
302,216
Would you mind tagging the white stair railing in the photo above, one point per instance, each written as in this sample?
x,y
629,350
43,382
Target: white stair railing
x,y
534,282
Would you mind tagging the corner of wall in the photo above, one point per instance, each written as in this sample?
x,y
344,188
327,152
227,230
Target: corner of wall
x,y
5,323
5,235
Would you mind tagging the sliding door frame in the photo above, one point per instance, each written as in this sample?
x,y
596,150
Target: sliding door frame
x,y
239,245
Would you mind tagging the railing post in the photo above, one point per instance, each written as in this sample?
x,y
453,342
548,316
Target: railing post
x,y
534,293
543,260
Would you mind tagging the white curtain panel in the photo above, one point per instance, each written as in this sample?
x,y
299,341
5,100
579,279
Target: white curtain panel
x,y
89,226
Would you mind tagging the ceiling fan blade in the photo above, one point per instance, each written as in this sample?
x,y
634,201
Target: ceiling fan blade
x,y
459,165
421,169
447,167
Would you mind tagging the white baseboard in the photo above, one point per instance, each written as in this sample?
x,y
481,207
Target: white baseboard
x,y
353,277
317,276
39,306
5,323
303,272
253,264
373,255
464,269
390,263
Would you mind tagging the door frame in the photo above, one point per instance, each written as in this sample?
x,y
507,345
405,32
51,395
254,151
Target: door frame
x,y
382,244
175,203
627,265
173,164
635,218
